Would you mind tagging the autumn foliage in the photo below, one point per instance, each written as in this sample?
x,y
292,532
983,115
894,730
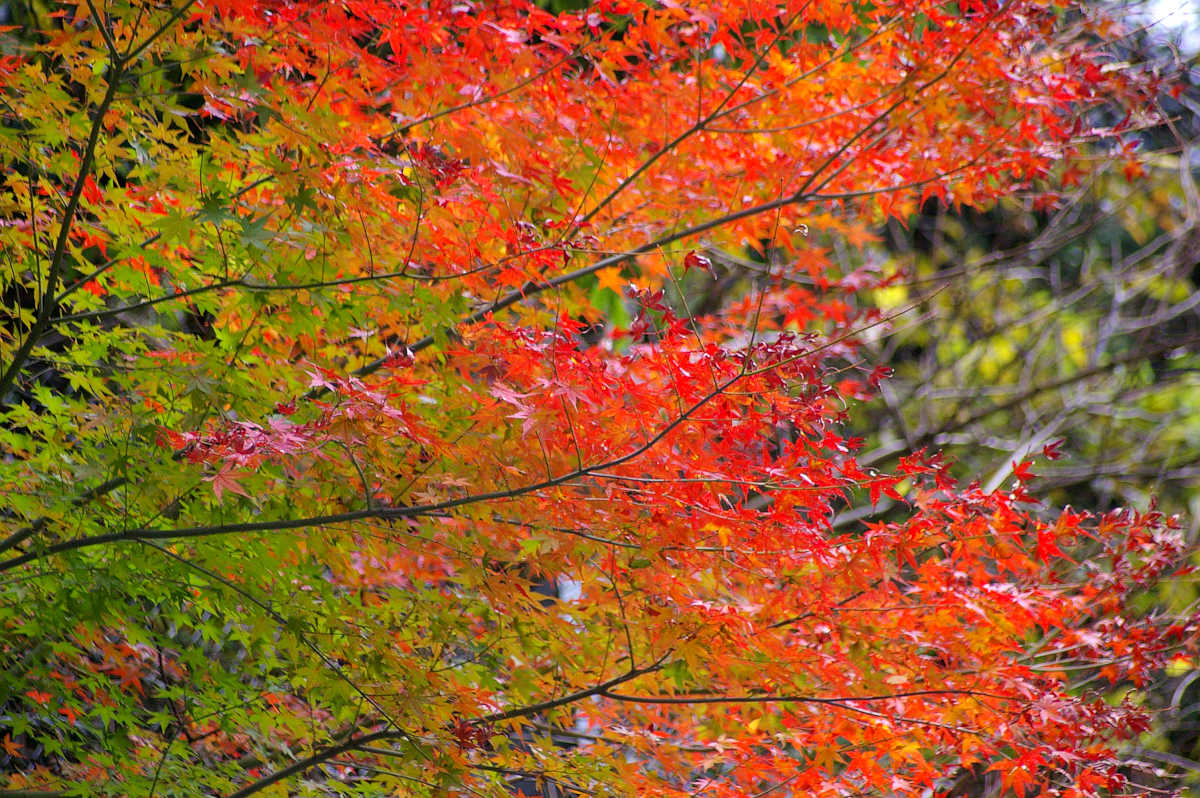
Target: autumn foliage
x,y
358,437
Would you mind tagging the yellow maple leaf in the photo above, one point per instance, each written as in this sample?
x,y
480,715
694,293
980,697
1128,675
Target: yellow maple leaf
x,y
611,278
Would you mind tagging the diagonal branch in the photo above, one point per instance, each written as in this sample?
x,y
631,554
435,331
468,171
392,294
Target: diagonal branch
x,y
48,302
359,743
432,508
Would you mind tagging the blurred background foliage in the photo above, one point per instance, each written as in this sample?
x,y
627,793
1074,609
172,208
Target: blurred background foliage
x,y
1080,324
1074,326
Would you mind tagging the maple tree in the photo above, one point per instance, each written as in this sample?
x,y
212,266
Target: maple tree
x,y
359,439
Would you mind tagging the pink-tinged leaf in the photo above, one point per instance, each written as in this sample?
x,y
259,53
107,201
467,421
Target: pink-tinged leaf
x,y
506,394
227,479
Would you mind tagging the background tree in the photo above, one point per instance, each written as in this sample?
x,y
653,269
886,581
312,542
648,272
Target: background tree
x,y
306,393
1075,324
1081,320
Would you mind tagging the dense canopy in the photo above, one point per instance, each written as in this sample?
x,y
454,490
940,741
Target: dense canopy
x,y
357,436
